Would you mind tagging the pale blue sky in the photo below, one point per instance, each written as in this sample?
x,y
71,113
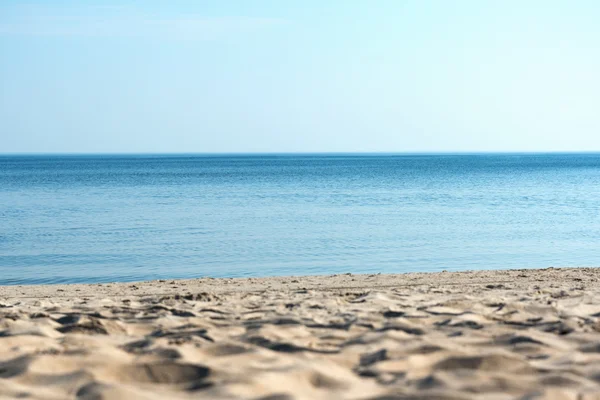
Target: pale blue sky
x,y
299,76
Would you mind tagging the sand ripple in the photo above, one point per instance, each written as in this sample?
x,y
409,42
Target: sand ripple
x,y
482,335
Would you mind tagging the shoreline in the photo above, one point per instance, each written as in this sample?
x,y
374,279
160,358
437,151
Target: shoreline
x,y
502,334
316,282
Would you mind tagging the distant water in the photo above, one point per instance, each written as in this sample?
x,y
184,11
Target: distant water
x,y
125,218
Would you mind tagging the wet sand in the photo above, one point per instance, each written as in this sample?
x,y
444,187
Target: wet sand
x,y
518,334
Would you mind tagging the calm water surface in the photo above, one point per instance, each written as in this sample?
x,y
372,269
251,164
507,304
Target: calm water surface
x,y
125,218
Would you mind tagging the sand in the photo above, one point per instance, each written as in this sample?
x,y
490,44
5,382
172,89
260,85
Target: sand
x,y
518,334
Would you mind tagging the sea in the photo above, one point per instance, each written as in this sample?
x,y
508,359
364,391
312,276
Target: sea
x,y
108,218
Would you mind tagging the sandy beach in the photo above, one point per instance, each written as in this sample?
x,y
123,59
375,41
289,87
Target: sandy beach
x,y
517,334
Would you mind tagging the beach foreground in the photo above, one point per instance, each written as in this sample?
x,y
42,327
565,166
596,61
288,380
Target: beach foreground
x,y
518,334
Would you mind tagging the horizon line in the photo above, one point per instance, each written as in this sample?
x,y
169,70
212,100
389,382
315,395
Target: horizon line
x,y
286,153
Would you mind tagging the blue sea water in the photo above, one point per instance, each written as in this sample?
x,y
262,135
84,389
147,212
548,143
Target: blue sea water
x,y
126,218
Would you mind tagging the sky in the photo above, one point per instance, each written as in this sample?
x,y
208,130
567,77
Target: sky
x,y
299,76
